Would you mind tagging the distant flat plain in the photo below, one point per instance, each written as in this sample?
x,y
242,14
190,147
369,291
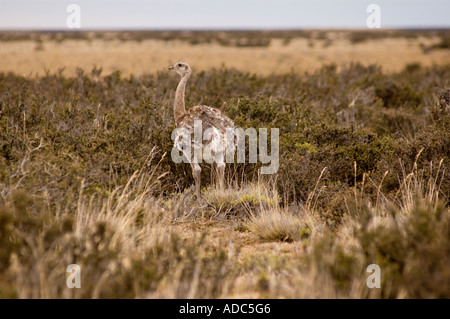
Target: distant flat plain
x,y
298,54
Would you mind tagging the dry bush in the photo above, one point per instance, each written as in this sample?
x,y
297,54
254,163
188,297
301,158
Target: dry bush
x,y
84,179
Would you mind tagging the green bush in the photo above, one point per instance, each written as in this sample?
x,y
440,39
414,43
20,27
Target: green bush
x,y
63,136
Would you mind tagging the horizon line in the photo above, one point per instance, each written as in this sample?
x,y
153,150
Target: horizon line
x,y
231,29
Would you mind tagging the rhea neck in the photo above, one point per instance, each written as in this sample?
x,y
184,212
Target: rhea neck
x,y
179,108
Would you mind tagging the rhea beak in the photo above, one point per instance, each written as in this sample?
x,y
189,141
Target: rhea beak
x,y
171,67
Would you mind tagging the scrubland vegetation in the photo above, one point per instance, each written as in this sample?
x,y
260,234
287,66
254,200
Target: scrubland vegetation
x,y
86,178
238,38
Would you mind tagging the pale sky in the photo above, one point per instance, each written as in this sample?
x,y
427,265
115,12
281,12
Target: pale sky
x,y
231,14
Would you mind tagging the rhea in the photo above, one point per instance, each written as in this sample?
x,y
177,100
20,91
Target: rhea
x,y
212,121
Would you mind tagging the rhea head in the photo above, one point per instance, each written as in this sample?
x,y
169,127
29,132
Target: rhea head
x,y
181,67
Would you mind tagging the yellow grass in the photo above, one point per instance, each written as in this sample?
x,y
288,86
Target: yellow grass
x,y
29,57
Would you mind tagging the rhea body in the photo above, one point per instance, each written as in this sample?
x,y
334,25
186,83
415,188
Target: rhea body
x,y
216,125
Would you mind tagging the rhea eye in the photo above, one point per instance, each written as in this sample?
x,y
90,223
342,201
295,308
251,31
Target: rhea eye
x,y
179,65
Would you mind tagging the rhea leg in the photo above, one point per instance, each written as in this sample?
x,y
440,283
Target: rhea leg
x,y
196,173
220,173
220,170
216,176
